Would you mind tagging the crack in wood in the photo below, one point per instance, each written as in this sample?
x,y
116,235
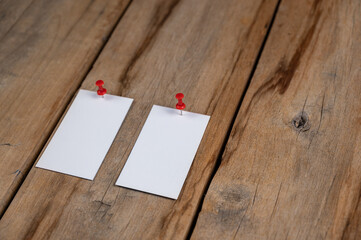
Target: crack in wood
x,y
9,144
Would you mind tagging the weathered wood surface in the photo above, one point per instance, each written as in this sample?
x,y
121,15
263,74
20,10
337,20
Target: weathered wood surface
x,y
284,176
205,49
46,49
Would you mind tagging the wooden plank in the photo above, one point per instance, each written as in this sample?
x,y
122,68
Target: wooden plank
x,y
291,168
46,49
205,49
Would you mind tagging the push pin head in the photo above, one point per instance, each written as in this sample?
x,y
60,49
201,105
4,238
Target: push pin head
x,y
101,91
180,105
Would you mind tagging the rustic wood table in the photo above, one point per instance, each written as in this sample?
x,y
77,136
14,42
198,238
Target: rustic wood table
x,y
281,79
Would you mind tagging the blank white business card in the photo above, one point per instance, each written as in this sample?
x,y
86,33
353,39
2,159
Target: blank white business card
x,y
85,135
164,152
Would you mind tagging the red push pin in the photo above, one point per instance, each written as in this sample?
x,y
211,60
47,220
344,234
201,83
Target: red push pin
x,y
180,105
101,91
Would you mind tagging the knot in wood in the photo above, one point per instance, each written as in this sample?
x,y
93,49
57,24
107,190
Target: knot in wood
x,y
300,122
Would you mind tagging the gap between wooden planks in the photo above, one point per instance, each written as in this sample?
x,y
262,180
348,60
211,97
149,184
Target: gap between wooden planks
x,y
46,49
205,49
291,169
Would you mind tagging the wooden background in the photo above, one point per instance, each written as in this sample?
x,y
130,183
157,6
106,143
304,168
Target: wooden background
x,y
281,79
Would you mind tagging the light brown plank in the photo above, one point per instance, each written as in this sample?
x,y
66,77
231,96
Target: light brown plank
x,y
205,49
283,176
46,49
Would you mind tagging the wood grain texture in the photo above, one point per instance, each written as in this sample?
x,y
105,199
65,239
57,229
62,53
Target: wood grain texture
x,y
46,49
291,168
205,49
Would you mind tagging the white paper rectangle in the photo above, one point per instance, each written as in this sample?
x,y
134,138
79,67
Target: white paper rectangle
x,y
85,135
161,158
